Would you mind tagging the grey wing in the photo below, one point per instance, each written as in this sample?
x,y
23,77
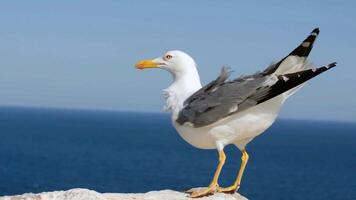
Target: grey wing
x,y
208,106
220,98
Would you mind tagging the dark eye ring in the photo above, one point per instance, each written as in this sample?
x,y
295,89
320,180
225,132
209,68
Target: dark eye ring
x,y
168,57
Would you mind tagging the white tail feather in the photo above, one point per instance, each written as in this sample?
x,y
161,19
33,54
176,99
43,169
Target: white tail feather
x,y
294,64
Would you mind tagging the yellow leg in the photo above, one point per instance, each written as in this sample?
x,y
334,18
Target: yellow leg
x,y
213,186
236,185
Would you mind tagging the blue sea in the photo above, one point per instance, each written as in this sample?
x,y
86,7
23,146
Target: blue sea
x,y
54,149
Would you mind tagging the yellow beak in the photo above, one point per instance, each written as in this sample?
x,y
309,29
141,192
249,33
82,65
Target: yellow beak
x,y
143,64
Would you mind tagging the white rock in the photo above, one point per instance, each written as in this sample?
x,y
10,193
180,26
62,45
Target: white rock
x,y
85,194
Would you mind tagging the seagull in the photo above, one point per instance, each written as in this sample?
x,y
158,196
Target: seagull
x,y
230,111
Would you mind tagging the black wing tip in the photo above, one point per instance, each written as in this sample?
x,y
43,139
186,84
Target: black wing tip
x,y
331,65
319,70
289,81
316,31
306,46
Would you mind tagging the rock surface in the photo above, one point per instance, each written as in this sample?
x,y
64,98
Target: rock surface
x,y
85,194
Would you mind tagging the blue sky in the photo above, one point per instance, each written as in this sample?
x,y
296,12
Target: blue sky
x,y
80,54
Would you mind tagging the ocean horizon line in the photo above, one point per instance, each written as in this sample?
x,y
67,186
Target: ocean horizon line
x,y
113,111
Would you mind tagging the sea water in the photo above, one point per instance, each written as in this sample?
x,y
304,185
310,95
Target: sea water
x,y
53,149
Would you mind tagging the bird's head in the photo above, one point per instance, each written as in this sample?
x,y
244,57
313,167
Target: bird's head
x,y
176,62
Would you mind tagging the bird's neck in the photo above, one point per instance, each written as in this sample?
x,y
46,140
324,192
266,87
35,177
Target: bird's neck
x,y
183,86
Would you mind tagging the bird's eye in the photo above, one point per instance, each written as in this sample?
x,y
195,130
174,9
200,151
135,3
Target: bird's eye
x,y
168,57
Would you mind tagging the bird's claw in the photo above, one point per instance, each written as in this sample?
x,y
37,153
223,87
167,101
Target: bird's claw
x,y
200,192
230,190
